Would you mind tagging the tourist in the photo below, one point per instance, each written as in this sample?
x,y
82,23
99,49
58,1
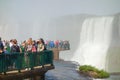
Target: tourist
x,y
41,45
23,46
5,50
29,45
11,43
15,47
34,49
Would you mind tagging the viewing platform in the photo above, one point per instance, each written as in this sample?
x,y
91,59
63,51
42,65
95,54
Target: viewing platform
x,y
25,65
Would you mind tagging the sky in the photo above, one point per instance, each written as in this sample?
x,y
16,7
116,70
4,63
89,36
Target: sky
x,y
53,8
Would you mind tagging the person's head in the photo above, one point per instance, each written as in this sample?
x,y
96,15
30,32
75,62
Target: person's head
x,y
33,42
11,40
14,41
23,44
30,39
38,41
42,41
29,42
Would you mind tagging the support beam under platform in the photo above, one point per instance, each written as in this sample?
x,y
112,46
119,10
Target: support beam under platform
x,y
24,74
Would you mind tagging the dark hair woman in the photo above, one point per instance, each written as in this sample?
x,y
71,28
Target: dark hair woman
x,y
41,45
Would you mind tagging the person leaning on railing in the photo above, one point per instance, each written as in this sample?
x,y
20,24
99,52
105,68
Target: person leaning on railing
x,y
29,45
15,47
23,47
34,46
40,45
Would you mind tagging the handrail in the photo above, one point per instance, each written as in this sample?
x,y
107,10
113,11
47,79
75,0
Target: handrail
x,y
18,61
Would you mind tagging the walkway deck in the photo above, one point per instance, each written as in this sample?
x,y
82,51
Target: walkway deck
x,y
13,66
38,71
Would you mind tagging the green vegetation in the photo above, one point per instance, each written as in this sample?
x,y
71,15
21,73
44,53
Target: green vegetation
x,y
93,72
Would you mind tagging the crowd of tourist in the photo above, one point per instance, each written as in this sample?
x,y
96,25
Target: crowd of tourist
x,y
31,45
59,44
26,46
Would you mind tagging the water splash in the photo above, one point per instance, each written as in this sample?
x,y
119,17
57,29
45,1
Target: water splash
x,y
95,40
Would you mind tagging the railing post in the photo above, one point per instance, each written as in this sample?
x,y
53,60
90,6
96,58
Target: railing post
x,y
19,71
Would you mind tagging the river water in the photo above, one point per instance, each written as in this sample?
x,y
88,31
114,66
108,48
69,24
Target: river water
x,y
66,70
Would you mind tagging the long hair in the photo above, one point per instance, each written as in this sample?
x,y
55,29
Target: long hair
x,y
42,40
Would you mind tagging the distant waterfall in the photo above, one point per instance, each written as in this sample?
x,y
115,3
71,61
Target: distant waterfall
x,y
95,38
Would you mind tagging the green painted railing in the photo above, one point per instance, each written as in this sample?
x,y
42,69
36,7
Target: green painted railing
x,y
18,61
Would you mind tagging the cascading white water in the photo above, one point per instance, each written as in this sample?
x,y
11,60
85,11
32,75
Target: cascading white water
x,y
95,44
95,40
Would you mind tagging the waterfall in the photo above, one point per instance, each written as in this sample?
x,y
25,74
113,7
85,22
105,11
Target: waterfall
x,y
95,39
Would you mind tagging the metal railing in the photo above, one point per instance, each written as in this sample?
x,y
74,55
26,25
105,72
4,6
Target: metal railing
x,y
19,61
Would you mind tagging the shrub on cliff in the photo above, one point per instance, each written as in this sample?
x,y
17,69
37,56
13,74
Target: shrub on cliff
x,y
93,72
